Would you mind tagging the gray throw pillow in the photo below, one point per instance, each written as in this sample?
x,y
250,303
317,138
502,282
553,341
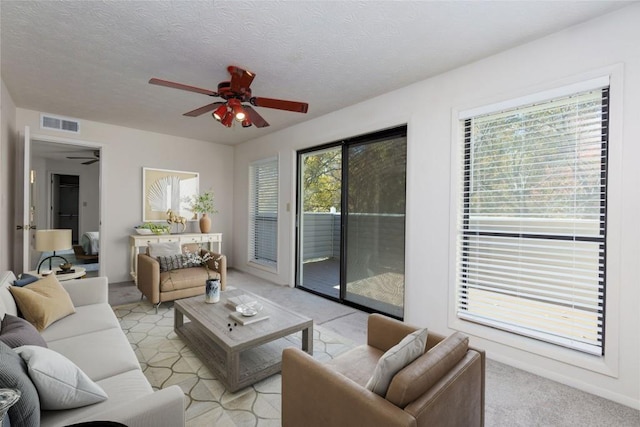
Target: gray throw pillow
x,y
164,249
13,374
16,332
395,359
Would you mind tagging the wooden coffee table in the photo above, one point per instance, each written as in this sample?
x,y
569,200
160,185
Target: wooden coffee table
x,y
239,355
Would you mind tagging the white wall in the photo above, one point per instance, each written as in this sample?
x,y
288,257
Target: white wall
x,y
7,173
428,107
125,152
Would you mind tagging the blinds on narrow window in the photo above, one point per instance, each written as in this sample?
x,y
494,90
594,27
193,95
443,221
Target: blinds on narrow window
x,y
532,229
263,215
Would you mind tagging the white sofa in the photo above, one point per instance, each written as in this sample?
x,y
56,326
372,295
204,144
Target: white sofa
x,y
93,340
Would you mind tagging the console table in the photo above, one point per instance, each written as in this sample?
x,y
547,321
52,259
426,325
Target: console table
x,y
137,241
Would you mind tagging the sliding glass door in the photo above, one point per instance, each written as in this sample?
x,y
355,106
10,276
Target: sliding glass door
x,y
351,221
319,222
374,223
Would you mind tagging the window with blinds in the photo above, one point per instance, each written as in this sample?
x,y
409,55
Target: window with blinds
x,y
532,224
263,212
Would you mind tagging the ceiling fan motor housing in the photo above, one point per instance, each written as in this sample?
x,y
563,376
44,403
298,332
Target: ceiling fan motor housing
x,y
225,92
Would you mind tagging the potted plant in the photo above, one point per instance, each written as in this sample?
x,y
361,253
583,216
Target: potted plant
x,y
150,227
203,204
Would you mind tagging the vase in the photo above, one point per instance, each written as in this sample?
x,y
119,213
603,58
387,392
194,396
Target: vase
x,y
205,223
212,291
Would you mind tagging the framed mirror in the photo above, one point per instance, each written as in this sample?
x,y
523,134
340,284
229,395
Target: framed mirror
x,y
164,189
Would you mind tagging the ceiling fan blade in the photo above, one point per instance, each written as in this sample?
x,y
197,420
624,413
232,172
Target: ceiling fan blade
x,y
91,162
240,79
256,119
81,158
175,85
280,104
200,111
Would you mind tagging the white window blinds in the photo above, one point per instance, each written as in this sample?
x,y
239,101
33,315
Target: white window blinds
x,y
263,221
532,223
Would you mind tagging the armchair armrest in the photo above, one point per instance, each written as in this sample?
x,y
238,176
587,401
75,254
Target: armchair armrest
x,y
149,277
161,408
314,395
94,290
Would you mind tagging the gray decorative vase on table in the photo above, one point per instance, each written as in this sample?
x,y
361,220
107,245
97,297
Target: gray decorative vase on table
x,y
212,291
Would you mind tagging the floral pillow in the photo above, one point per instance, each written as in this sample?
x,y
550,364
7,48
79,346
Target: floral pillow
x,y
175,262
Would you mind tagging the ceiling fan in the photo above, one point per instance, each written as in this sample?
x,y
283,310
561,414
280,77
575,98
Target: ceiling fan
x,y
235,92
91,160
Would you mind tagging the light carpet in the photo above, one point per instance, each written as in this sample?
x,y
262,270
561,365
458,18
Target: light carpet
x,y
166,360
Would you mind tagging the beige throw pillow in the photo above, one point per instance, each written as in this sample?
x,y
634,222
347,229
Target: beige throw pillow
x,y
397,357
43,302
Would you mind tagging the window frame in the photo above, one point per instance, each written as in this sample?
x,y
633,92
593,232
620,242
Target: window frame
x,y
516,349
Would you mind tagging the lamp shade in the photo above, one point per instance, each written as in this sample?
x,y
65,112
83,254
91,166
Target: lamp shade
x,y
53,240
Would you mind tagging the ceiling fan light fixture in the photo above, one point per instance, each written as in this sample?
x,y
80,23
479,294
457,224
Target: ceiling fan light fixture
x,y
237,109
246,122
220,112
227,120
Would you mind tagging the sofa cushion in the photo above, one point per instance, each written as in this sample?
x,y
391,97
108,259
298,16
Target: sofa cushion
x,y
87,318
60,383
417,378
397,357
7,303
43,302
99,354
16,332
186,278
121,389
357,364
13,374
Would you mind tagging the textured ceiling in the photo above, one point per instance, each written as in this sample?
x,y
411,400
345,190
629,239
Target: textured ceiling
x,y
92,59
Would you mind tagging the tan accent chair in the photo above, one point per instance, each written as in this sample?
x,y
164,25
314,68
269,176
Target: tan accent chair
x,y
443,387
182,283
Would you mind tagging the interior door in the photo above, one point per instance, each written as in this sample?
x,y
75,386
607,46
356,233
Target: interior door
x,y
25,206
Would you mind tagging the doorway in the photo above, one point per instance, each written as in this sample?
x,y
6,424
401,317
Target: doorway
x,y
66,193
65,203
351,221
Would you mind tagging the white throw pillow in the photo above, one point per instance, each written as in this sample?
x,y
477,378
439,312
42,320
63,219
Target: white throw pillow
x,y
397,357
164,249
60,383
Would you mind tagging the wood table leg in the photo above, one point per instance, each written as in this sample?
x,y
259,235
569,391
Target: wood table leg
x,y
307,340
178,319
233,370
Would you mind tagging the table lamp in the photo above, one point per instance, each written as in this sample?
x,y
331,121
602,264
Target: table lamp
x,y
52,240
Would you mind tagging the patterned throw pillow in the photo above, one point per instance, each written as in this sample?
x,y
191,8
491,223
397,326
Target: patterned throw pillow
x,y
175,262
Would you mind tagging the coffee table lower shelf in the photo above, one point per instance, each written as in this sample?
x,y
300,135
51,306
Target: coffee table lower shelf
x,y
235,370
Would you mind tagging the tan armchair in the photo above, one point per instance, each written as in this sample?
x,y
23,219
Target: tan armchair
x,y
443,387
175,284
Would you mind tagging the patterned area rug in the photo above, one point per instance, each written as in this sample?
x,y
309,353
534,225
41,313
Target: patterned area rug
x,y
166,360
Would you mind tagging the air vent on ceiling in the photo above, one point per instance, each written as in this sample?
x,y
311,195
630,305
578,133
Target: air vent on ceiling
x,y
65,124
